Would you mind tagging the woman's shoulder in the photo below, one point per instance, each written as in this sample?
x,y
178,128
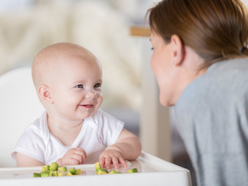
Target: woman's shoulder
x,y
218,85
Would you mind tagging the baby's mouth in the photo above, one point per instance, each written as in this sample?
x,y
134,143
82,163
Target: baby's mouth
x,y
87,105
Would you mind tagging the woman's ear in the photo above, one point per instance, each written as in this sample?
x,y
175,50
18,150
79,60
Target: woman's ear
x,y
178,50
45,94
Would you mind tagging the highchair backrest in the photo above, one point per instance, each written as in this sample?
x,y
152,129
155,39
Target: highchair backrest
x,y
19,106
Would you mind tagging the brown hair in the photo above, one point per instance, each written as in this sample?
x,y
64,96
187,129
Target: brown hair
x,y
215,29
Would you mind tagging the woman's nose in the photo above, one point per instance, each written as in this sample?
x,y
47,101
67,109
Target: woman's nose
x,y
90,94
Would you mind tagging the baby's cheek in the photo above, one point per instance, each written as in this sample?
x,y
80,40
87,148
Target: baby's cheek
x,y
99,96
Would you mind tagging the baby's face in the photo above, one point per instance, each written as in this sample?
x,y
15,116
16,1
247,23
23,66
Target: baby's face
x,y
76,88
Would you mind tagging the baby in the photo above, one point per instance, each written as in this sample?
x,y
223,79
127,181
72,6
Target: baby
x,y
73,130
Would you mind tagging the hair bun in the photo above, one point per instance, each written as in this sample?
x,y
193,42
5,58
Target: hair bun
x,y
243,49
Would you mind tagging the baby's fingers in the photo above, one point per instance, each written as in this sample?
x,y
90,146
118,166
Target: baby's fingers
x,y
108,161
81,155
105,162
102,161
81,151
76,158
122,161
115,162
73,161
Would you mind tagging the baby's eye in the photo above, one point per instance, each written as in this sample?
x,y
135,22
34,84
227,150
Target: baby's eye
x,y
79,86
152,48
97,85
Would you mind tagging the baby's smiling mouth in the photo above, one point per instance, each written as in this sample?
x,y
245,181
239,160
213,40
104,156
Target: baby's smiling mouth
x,y
87,105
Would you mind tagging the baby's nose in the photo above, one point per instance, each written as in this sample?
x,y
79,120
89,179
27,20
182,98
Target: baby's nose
x,y
91,94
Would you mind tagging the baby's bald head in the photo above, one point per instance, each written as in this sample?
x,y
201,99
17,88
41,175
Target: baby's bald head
x,y
49,61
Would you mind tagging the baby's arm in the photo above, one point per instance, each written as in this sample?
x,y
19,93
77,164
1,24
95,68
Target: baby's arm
x,y
73,156
127,147
23,160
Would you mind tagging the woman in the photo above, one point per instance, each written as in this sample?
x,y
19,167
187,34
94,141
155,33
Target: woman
x,y
201,65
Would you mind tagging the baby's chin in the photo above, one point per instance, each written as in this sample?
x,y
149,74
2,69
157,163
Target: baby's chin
x,y
86,112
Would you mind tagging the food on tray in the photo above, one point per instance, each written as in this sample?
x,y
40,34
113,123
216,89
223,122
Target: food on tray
x,y
78,171
53,173
36,175
45,168
55,170
132,170
62,173
73,171
97,166
54,166
100,170
44,174
114,172
62,169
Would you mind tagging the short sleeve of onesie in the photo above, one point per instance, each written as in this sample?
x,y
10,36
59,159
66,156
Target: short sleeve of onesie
x,y
26,145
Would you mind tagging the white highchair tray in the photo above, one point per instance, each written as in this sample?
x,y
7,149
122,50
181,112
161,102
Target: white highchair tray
x,y
151,171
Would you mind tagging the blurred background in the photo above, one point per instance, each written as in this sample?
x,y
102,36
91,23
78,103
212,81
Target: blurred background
x,y
27,26
103,27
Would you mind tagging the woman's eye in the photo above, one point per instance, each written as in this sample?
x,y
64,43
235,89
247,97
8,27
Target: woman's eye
x,y
152,48
97,85
79,86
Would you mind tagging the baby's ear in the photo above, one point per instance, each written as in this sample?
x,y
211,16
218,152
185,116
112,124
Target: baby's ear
x,y
45,94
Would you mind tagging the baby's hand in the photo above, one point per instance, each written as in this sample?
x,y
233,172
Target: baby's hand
x,y
74,156
111,156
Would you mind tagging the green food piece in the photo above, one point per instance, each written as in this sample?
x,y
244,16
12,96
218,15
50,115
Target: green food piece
x,y
45,168
101,171
54,170
50,172
105,170
36,175
133,170
62,169
44,174
97,166
72,171
54,173
69,174
78,171
113,172
62,173
54,166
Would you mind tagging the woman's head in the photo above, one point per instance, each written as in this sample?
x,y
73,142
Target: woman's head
x,y
214,29
190,35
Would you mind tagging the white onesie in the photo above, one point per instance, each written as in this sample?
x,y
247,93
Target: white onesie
x,y
98,131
